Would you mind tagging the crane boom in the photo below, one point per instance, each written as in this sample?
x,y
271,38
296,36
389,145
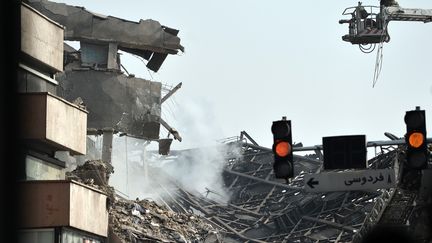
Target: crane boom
x,y
395,13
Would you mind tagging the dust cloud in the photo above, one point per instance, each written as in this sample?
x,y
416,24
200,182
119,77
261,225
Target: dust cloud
x,y
140,172
143,174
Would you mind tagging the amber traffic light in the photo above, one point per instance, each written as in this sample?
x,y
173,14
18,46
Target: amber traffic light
x,y
282,149
415,138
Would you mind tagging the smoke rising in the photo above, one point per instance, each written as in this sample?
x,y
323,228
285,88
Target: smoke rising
x,y
139,172
146,175
200,171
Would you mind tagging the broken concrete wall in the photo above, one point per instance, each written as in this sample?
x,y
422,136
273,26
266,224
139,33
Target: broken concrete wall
x,y
127,104
146,38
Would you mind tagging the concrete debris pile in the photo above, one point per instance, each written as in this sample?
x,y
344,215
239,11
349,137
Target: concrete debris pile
x,y
143,220
94,173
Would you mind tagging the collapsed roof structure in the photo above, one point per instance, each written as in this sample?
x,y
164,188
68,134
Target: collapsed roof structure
x,y
262,209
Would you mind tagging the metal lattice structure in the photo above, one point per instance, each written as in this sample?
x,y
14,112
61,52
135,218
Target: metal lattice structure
x,y
263,209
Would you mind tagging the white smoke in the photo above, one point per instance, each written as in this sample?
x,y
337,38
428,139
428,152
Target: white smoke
x,y
136,171
198,170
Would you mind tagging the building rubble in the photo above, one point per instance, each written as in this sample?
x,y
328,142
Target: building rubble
x,y
94,173
146,221
143,220
262,209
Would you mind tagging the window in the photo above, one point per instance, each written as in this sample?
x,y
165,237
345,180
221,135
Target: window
x,y
74,236
37,169
36,236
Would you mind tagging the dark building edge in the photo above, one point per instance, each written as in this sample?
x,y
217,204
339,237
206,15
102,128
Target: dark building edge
x,y
10,45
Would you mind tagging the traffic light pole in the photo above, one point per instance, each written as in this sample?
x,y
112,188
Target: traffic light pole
x,y
369,144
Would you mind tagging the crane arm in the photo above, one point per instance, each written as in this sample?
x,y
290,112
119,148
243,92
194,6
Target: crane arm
x,y
396,13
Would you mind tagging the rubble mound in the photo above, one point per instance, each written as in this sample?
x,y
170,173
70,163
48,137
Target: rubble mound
x,y
95,172
145,221
142,220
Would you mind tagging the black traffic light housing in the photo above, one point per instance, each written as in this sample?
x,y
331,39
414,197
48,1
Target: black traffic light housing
x,y
415,138
283,166
345,152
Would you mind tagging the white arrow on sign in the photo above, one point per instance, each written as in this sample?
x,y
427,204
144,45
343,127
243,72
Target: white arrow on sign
x,y
350,180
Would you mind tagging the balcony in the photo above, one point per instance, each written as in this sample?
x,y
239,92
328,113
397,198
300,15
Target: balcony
x,y
49,123
41,40
49,204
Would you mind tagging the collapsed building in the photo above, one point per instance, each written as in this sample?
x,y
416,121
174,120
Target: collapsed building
x,y
260,208
124,103
68,94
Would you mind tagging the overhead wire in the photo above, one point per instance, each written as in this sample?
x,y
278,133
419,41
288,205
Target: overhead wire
x,y
175,101
173,113
170,109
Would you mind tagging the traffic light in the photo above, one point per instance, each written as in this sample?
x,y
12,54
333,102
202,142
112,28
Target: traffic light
x,y
345,152
415,138
282,149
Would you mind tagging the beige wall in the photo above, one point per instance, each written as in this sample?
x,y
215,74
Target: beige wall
x,y
52,120
62,203
88,210
66,125
41,38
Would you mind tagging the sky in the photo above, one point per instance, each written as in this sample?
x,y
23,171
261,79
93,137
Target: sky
x,y
248,63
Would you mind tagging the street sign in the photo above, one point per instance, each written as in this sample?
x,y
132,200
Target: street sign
x,y
350,180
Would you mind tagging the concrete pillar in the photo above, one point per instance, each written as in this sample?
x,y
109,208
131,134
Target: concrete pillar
x,y
107,144
112,56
